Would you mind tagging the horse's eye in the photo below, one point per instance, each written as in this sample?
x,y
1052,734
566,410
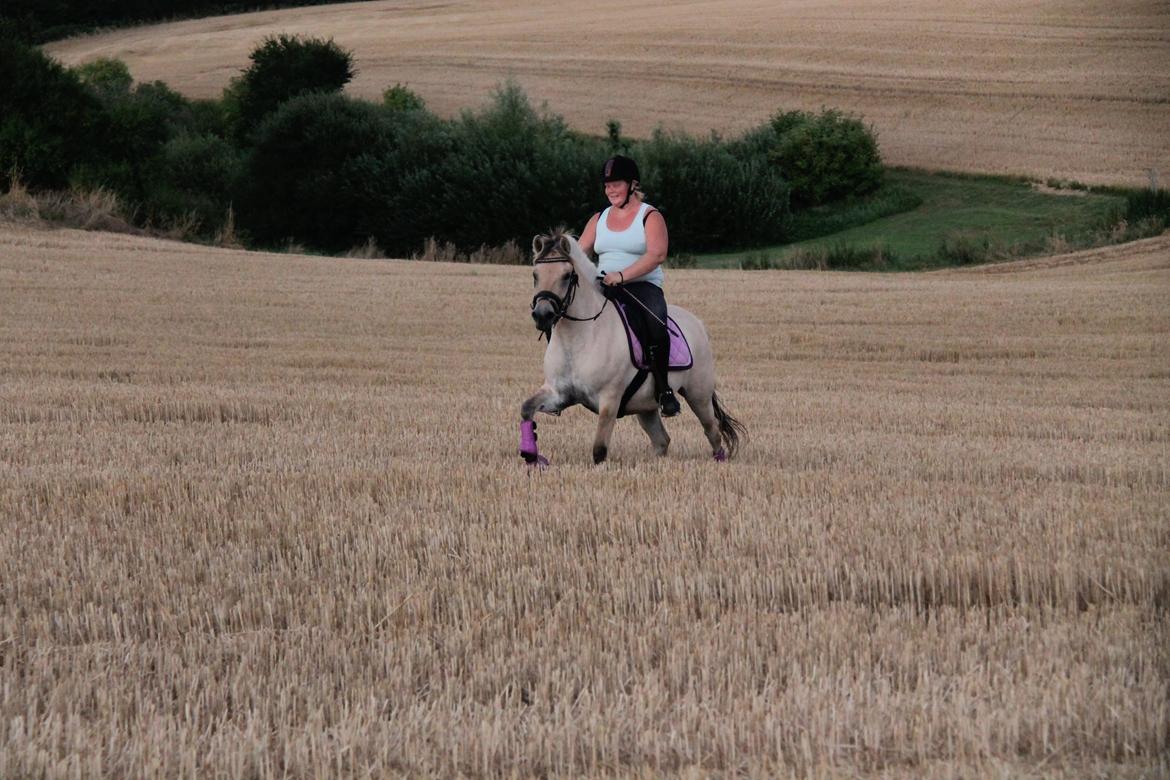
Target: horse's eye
x,y
566,277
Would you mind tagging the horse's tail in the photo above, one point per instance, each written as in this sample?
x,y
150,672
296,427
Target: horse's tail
x,y
729,427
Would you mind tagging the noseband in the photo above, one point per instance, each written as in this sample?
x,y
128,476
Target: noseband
x,y
561,305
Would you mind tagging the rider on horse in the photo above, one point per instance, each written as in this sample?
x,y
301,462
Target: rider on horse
x,y
630,240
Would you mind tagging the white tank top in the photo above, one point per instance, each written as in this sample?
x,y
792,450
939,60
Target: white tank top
x,y
618,250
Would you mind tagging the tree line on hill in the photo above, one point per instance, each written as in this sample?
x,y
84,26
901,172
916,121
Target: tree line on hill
x,y
286,156
38,21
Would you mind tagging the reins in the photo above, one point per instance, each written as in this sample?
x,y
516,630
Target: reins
x,y
645,308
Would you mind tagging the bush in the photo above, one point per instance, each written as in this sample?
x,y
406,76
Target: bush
x,y
510,253
86,210
140,121
512,171
284,67
194,176
841,257
49,119
711,198
1147,203
399,98
106,77
210,117
825,157
321,173
964,249
757,261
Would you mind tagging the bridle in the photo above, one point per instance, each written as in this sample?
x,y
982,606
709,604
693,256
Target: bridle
x,y
561,305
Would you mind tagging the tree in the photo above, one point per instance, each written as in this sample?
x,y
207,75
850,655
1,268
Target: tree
x,y
825,157
318,174
284,67
49,121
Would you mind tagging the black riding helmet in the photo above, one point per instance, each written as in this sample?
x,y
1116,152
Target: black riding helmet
x,y
621,168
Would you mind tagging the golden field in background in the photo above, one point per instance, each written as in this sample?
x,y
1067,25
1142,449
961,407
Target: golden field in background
x,y
263,515
1065,89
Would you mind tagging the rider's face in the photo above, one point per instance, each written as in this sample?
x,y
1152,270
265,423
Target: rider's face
x,y
615,191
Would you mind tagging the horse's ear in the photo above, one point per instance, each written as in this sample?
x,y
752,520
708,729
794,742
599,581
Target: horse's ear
x,y
566,249
538,242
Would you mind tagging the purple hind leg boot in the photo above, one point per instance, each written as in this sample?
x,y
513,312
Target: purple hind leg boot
x,y
720,455
528,449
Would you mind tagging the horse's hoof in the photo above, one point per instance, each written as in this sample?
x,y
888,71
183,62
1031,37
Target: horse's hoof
x,y
535,460
668,405
720,456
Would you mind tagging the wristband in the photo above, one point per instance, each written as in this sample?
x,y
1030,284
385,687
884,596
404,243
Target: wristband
x,y
623,276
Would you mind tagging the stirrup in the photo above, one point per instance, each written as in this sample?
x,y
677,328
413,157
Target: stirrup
x,y
668,405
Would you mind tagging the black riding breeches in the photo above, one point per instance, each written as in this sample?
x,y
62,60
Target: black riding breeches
x,y
651,296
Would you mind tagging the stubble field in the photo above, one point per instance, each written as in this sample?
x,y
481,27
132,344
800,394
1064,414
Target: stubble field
x,y
1076,90
262,515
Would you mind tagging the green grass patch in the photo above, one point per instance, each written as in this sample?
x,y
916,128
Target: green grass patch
x,y
923,219
890,199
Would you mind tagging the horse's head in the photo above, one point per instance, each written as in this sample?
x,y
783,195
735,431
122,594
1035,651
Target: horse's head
x,y
554,276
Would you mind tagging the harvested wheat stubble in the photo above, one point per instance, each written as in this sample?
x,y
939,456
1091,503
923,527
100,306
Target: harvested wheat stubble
x,y
263,515
1066,89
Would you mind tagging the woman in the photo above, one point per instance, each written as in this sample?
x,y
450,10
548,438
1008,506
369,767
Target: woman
x,y
630,240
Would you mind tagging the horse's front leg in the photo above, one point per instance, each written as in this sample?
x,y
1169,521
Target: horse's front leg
x,y
546,399
606,417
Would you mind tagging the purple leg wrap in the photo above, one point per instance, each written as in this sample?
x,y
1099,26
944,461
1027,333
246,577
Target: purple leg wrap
x,y
720,456
528,437
528,449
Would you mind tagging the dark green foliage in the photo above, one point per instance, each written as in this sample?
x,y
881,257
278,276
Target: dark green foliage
x,y
710,197
210,117
825,157
322,172
140,121
408,179
105,77
755,144
284,67
399,98
49,122
512,172
613,131
1144,204
331,172
45,20
194,175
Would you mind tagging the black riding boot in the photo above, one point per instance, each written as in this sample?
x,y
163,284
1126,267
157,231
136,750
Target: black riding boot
x,y
659,359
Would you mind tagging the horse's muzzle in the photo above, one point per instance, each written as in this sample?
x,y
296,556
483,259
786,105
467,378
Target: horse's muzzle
x,y
544,315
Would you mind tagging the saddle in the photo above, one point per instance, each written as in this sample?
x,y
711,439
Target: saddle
x,y
680,350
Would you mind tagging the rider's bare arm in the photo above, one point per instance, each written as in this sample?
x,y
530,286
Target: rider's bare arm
x,y
588,236
657,243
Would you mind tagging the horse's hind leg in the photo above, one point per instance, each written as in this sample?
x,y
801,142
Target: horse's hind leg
x,y
606,417
652,424
704,409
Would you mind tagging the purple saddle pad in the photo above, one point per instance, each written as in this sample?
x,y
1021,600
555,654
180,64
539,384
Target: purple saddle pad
x,y
680,350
